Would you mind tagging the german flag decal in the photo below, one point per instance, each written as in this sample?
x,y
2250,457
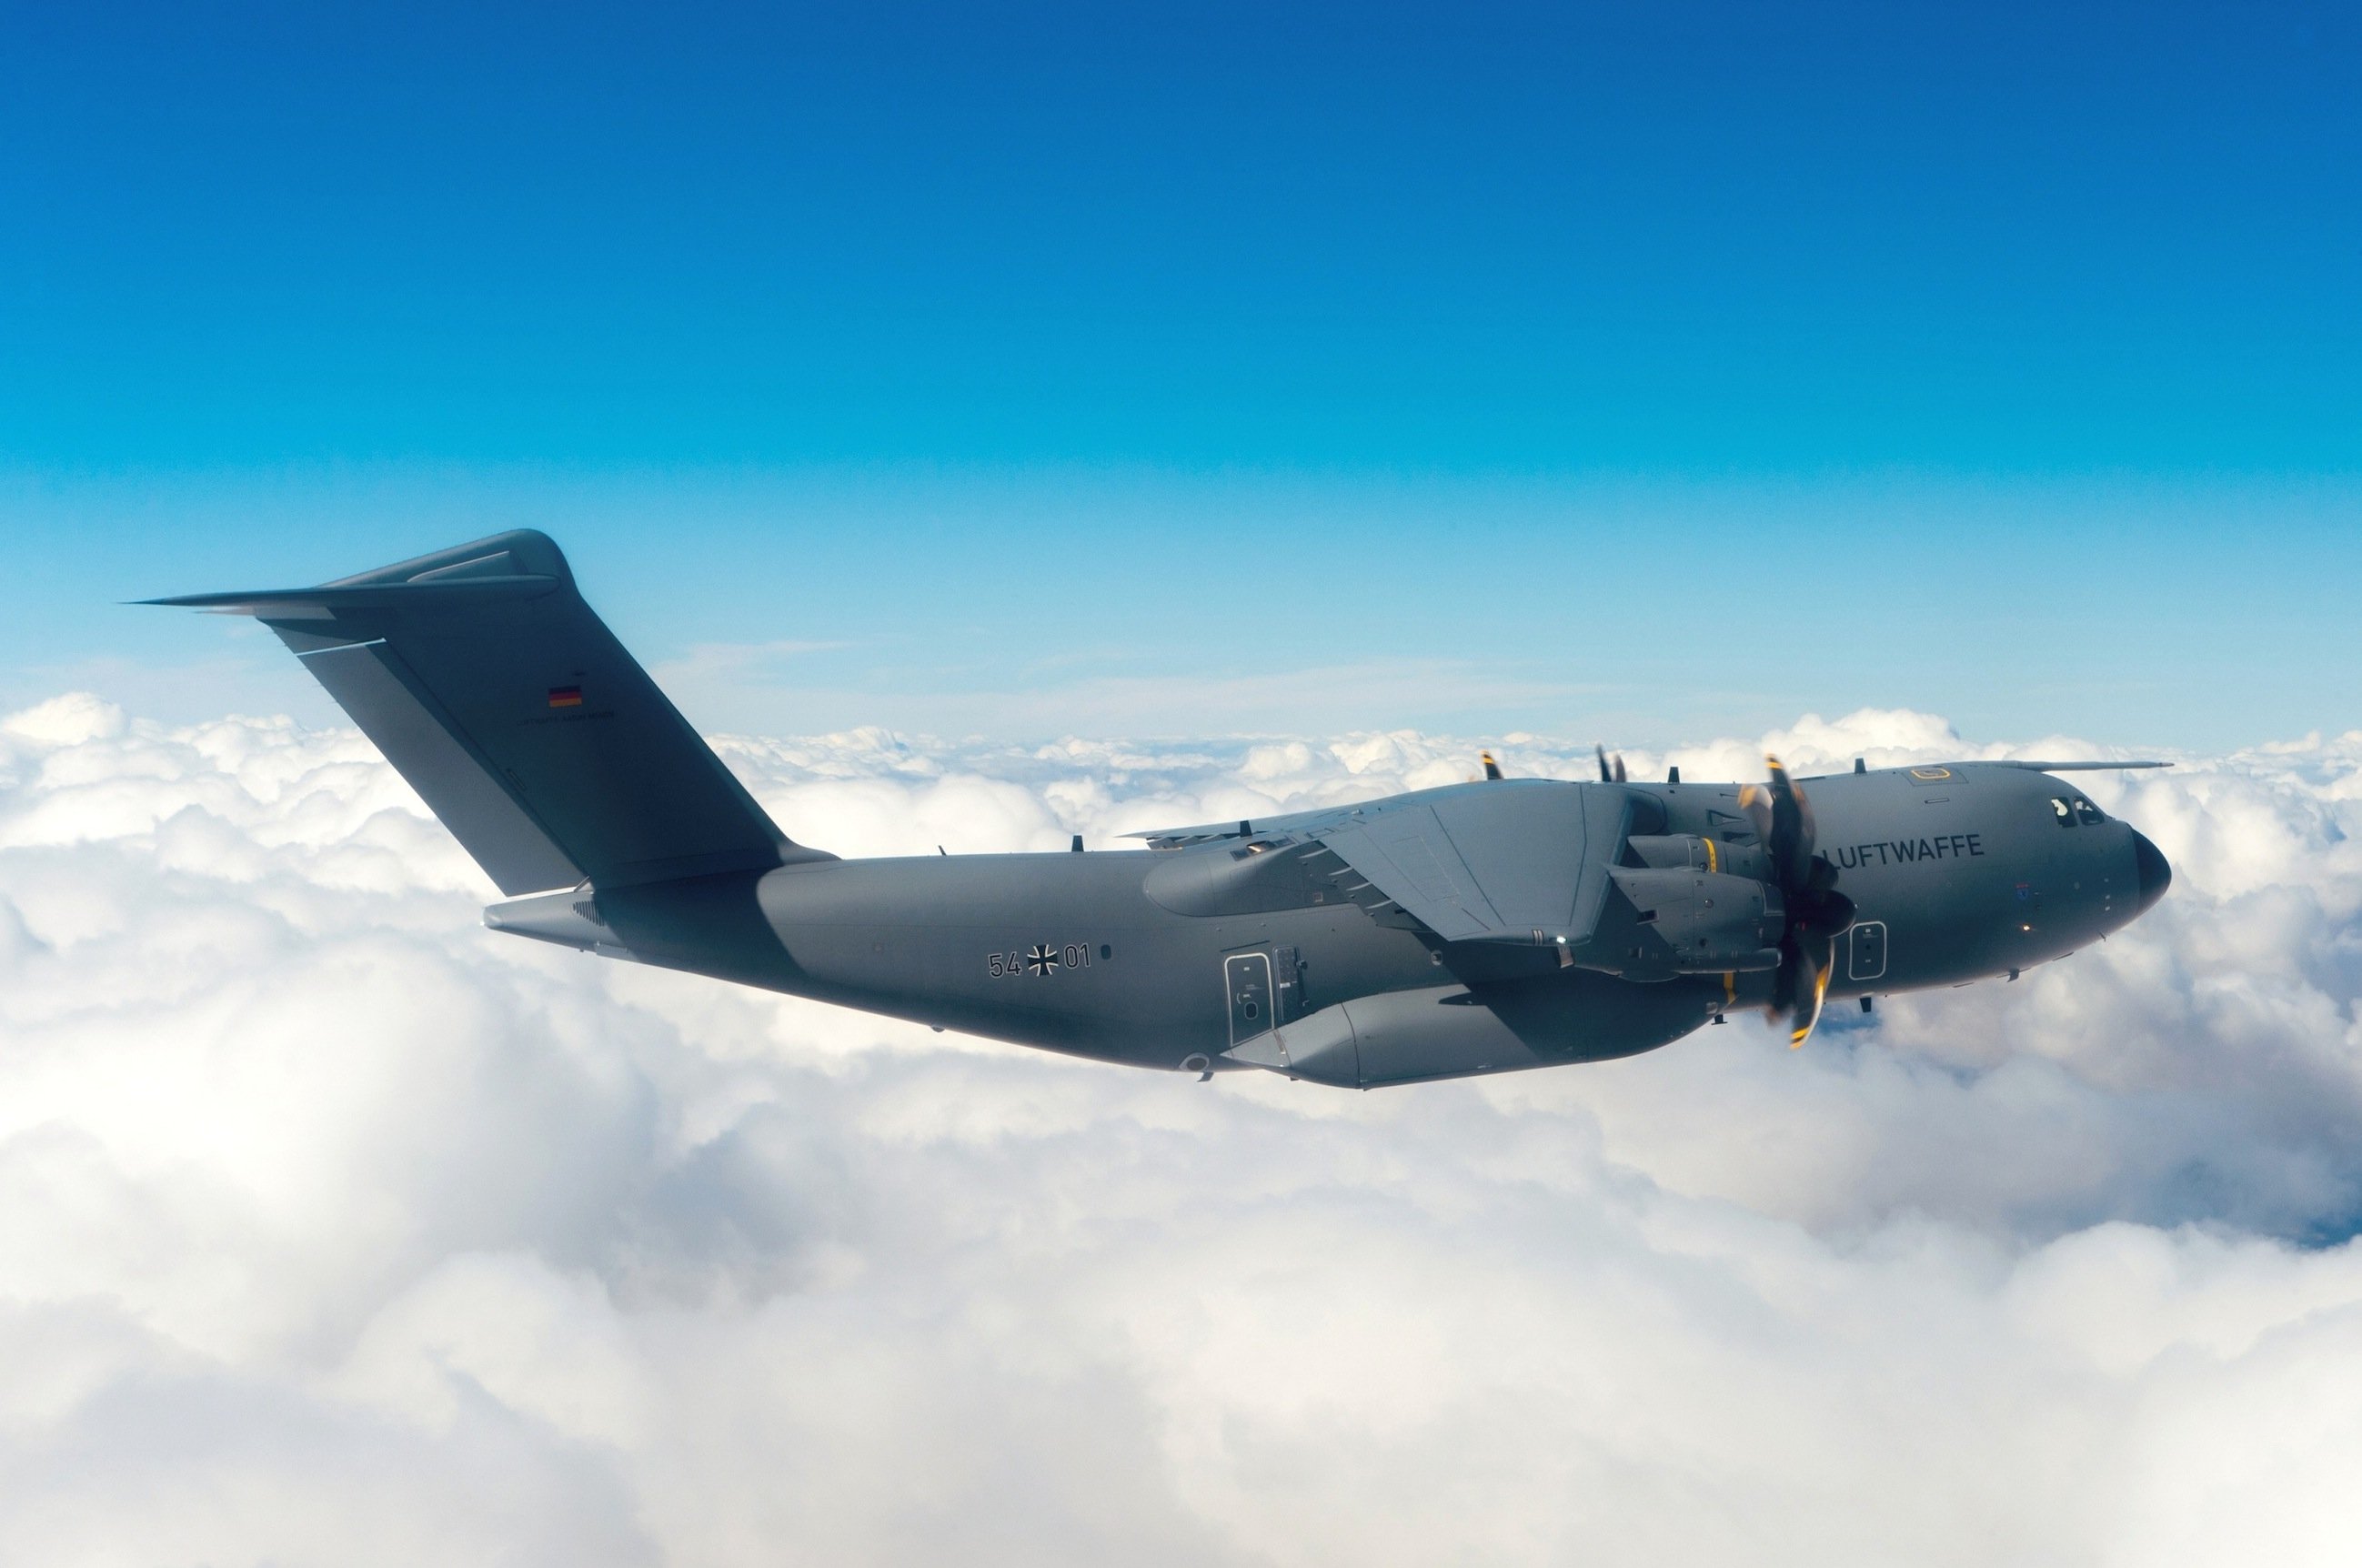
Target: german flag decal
x,y
565,696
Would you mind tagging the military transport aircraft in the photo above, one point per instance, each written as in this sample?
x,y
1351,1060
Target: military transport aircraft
x,y
1480,928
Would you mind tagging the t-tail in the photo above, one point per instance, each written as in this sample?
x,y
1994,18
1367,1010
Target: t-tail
x,y
519,719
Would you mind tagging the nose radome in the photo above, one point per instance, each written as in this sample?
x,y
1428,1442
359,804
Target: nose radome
x,y
2156,876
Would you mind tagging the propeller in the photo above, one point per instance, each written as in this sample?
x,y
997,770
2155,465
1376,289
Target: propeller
x,y
1609,772
1492,769
1817,912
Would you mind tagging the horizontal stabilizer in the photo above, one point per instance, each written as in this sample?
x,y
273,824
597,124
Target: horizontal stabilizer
x,y
524,726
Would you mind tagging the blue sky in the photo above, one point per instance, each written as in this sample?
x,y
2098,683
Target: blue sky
x,y
1638,370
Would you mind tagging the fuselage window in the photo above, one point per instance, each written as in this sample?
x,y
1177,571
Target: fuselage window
x,y
2086,813
2064,812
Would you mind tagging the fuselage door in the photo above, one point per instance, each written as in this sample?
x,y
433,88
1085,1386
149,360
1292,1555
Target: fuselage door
x,y
1866,950
1247,975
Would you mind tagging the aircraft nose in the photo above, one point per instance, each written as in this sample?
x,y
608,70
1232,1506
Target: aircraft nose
x,y
2155,875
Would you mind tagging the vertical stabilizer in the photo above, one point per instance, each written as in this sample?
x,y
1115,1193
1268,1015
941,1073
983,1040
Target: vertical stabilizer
x,y
527,729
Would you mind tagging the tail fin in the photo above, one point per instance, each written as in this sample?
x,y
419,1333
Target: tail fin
x,y
520,720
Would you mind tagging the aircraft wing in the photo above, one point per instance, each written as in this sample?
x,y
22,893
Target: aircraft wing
x,y
1289,825
1522,860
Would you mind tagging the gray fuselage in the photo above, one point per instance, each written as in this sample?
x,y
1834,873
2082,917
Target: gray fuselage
x,y
1484,927
1956,873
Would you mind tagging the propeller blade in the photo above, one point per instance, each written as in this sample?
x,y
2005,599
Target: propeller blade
x,y
1756,802
1605,776
1783,1001
1816,955
1619,767
1790,841
1492,769
1817,912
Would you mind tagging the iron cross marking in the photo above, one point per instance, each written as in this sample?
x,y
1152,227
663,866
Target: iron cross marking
x,y
1042,961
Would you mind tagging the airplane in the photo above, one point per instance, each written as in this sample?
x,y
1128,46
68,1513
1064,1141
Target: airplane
x,y
1485,927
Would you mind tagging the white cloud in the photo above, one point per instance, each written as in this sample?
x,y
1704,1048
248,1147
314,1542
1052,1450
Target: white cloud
x,y
335,1229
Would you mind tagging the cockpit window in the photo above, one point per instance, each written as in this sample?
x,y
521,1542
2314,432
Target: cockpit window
x,y
2063,812
2086,813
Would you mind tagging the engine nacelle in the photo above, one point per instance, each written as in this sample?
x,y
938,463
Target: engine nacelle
x,y
1673,851
1676,920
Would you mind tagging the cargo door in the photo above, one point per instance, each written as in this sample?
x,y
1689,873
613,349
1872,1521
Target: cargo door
x,y
1247,977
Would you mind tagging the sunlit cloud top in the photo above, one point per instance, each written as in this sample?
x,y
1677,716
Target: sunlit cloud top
x,y
334,1227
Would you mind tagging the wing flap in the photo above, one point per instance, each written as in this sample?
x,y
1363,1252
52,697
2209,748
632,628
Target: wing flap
x,y
1407,857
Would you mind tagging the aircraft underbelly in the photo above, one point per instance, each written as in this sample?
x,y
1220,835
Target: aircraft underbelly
x,y
1450,1031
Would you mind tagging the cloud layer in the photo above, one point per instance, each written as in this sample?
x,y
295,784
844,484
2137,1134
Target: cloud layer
x,y
335,1229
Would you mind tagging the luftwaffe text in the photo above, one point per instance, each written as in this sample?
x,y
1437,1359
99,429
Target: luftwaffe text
x,y
1905,851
